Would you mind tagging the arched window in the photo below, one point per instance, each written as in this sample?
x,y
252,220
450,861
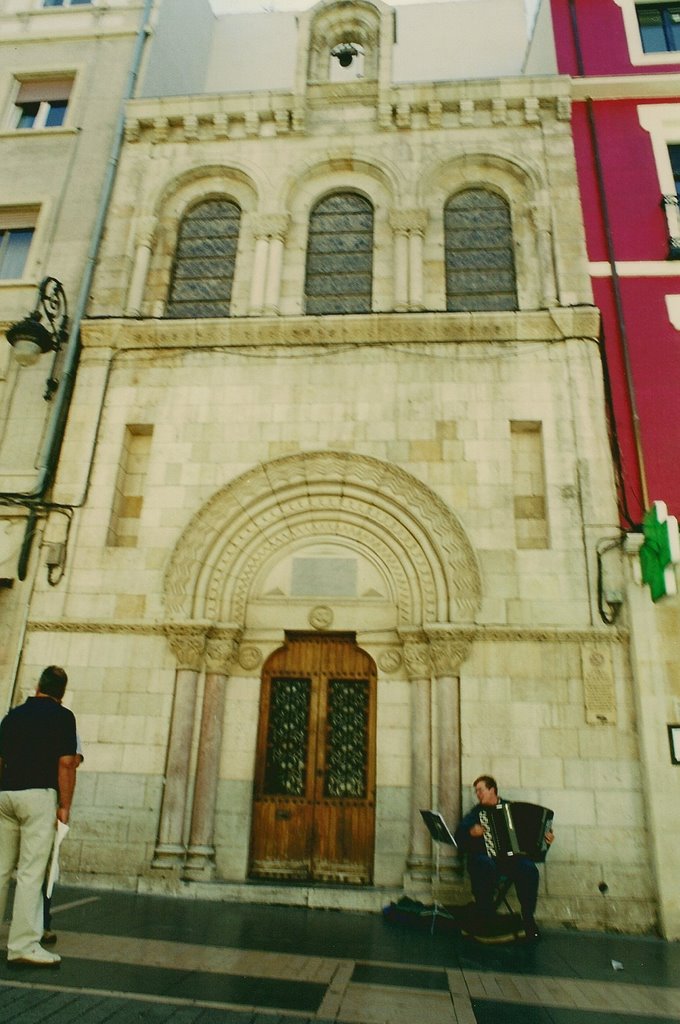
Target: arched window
x,y
203,271
339,274
480,264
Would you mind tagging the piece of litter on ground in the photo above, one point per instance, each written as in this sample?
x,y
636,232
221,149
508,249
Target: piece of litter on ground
x,y
617,965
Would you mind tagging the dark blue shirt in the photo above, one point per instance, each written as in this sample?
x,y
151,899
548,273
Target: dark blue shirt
x,y
33,736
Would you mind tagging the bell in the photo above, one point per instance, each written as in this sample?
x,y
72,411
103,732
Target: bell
x,y
345,54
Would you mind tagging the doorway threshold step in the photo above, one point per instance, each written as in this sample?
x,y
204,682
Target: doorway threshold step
x,y
319,897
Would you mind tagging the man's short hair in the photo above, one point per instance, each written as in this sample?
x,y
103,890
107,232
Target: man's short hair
x,y
488,781
53,682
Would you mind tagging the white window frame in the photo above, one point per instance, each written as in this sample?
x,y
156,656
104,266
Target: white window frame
x,y
40,120
638,57
19,219
66,3
662,121
37,90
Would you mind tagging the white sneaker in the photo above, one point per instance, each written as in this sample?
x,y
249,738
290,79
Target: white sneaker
x,y
36,956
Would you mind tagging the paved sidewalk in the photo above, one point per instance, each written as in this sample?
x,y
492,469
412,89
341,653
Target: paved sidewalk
x,y
143,959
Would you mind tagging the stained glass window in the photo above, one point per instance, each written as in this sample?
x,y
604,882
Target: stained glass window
x,y
480,264
339,275
203,272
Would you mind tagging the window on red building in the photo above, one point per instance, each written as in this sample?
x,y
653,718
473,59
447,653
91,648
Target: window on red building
x,y
659,27
672,204
674,154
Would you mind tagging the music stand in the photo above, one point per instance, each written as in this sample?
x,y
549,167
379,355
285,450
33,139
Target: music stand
x,y
439,831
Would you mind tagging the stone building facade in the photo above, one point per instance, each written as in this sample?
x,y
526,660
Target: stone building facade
x,y
339,453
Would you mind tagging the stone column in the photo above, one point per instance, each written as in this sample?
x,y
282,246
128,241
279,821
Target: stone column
x,y
277,228
409,228
418,669
257,283
265,288
188,644
400,263
418,222
540,216
448,651
221,652
140,270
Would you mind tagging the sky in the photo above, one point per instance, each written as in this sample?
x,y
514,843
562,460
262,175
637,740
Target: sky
x,y
252,6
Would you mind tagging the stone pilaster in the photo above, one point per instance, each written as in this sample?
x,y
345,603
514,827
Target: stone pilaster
x,y
265,290
448,651
409,230
221,653
419,670
188,646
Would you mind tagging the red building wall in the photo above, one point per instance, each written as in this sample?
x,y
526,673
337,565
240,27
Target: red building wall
x,y
604,48
621,198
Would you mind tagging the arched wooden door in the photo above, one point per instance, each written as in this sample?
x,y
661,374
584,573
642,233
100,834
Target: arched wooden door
x,y
314,802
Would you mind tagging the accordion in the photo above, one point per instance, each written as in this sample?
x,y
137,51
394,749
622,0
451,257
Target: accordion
x,y
516,829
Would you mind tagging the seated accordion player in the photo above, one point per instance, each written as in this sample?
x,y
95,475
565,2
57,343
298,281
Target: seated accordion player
x,y
516,829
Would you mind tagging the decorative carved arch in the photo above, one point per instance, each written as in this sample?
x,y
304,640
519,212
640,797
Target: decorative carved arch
x,y
173,202
344,167
421,545
341,171
522,185
512,176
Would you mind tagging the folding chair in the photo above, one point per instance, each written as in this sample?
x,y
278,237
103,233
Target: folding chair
x,y
503,887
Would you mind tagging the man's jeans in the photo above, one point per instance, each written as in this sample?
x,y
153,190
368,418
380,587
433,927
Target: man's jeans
x,y
27,826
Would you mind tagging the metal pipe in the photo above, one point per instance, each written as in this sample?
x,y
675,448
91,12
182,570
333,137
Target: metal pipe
x,y
55,429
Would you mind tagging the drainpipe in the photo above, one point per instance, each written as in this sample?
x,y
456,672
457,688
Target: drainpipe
x,y
55,430
616,281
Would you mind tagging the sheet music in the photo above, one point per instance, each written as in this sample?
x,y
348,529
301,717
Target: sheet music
x,y
59,836
438,828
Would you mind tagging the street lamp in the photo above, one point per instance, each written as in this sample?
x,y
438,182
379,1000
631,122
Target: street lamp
x,y
31,338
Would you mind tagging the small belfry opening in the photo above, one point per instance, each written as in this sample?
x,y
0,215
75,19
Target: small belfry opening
x,y
346,62
344,42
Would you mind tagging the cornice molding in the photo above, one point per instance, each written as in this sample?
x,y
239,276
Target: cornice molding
x,y
471,633
483,103
551,325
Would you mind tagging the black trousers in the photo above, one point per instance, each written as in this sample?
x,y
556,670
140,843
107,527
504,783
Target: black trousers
x,y
486,871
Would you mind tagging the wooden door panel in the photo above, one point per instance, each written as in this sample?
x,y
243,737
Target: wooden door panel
x,y
283,809
314,804
282,831
343,847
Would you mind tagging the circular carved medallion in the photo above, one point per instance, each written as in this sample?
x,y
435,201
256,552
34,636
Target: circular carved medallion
x,y
249,656
390,660
321,617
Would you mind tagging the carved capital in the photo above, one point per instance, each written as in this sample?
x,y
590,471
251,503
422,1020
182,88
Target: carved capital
x,y
187,643
271,225
448,649
417,655
221,651
407,221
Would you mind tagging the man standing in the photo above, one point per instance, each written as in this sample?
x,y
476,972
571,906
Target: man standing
x,y
38,765
485,871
